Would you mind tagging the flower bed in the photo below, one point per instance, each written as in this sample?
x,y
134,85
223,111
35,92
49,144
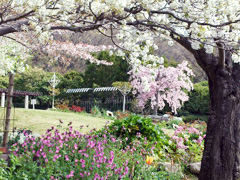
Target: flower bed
x,y
73,155
131,148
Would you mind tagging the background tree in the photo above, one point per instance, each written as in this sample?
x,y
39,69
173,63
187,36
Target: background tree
x,y
160,85
104,76
199,100
70,80
35,80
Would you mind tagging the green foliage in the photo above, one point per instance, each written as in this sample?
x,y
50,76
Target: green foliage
x,y
70,80
192,117
130,126
174,122
35,80
122,85
95,111
199,100
103,75
134,126
4,82
169,63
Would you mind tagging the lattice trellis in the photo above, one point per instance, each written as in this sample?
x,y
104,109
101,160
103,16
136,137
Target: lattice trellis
x,y
83,90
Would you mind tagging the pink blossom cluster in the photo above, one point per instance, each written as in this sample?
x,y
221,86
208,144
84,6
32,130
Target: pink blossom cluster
x,y
183,135
162,85
87,156
79,50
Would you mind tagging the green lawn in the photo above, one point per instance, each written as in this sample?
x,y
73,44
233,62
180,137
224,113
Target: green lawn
x,y
40,120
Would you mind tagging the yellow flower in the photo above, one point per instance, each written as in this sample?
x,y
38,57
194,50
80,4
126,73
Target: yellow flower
x,y
149,160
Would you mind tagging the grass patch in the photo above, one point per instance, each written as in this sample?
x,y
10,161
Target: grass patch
x,y
40,120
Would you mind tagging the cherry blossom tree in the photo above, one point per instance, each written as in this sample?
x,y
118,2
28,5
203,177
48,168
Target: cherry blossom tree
x,y
209,29
160,85
62,51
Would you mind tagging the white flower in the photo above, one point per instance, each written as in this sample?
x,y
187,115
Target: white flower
x,y
170,43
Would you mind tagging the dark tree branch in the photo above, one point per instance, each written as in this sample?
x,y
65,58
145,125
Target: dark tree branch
x,y
78,29
11,28
16,18
115,42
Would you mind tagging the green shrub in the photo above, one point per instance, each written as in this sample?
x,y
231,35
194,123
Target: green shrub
x,y
191,118
135,126
199,100
130,126
174,121
95,111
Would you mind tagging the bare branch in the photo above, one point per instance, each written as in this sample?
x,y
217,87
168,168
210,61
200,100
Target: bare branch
x,y
190,22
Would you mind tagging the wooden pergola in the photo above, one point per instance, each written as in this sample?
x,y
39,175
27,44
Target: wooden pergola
x,y
18,93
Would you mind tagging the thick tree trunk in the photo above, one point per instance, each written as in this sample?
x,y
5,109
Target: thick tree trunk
x,y
221,158
155,110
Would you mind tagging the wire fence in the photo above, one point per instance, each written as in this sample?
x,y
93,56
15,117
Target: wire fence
x,y
3,119
108,104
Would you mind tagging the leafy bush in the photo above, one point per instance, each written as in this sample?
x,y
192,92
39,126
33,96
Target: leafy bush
x,y
135,126
95,111
77,108
189,142
129,127
199,100
173,122
122,115
192,118
63,107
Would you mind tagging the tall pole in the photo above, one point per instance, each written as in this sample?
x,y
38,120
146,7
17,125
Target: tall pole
x,y
124,102
8,113
54,82
53,98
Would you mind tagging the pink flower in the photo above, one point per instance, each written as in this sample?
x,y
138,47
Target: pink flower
x,y
193,130
66,158
200,139
180,145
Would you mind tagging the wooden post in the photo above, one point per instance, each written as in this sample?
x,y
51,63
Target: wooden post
x,y
8,113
